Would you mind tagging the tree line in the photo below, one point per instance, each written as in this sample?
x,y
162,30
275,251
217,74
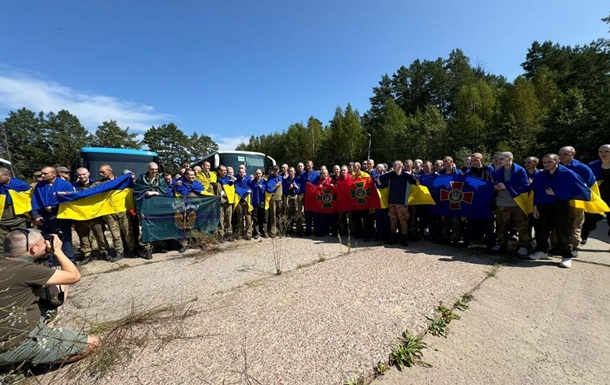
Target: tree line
x,y
448,106
32,140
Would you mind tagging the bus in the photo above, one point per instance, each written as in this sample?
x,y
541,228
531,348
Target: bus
x,y
119,158
252,160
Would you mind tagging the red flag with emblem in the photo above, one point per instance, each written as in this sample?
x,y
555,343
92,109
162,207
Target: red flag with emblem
x,y
357,194
320,199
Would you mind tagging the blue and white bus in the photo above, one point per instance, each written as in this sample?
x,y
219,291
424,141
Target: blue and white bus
x,y
252,160
118,158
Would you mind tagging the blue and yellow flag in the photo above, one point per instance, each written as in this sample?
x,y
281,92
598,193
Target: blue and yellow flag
x,y
112,197
420,195
595,206
17,193
166,217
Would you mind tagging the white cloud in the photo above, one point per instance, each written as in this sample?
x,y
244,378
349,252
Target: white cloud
x,y
20,89
228,143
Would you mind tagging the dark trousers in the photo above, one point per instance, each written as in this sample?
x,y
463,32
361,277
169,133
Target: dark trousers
x,y
310,218
326,223
382,224
477,229
363,225
259,220
556,216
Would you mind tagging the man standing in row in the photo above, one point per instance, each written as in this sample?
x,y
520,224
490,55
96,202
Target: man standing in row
x,y
512,181
45,208
118,224
553,189
85,228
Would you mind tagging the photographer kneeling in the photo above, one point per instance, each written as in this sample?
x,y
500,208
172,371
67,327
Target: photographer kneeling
x,y
25,336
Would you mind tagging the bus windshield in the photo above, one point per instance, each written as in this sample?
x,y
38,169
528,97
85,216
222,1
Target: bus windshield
x,y
251,161
136,163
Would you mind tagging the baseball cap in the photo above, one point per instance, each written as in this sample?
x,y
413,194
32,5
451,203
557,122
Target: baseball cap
x,y
37,174
63,169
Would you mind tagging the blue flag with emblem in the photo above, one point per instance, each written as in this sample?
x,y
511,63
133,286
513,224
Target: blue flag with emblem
x,y
165,217
460,195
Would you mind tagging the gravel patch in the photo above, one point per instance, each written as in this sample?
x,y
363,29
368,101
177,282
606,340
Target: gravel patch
x,y
324,323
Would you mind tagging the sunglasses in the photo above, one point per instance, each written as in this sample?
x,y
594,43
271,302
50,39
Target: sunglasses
x,y
26,232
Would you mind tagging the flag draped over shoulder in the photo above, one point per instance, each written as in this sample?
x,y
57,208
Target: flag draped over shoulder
x,y
111,197
460,195
594,206
357,194
321,199
19,194
165,217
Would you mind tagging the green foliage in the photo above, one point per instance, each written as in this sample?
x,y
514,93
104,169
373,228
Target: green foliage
x,y
170,143
462,303
65,137
407,352
23,137
200,145
109,134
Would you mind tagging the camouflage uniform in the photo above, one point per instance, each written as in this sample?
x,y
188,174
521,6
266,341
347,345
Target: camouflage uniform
x,y
505,215
277,222
294,212
118,224
450,228
243,215
225,230
398,214
90,229
85,229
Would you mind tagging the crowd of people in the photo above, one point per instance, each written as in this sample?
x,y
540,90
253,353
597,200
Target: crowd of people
x,y
253,206
259,205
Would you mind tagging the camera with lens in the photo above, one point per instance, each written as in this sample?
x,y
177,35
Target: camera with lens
x,y
48,237
59,233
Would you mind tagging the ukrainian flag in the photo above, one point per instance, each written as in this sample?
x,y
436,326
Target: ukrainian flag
x,y
112,197
19,194
242,191
420,195
595,206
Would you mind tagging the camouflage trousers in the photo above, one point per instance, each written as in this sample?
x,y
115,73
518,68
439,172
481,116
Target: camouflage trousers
x,y
294,212
224,226
398,214
451,228
244,219
276,219
512,215
119,226
85,229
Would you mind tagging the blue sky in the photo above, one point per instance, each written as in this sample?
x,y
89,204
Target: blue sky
x,y
231,69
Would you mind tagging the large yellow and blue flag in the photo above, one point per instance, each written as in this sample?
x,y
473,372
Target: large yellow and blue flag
x,y
112,197
594,206
18,194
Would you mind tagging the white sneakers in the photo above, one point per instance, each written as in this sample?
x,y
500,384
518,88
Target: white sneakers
x,y
565,262
537,255
522,252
